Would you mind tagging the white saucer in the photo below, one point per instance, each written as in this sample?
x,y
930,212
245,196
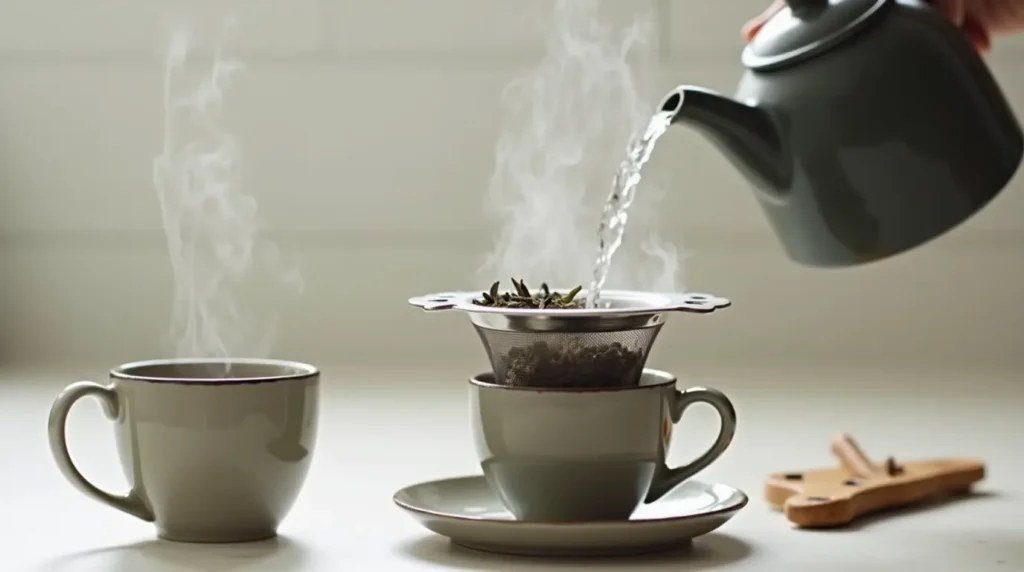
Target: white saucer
x,y
466,511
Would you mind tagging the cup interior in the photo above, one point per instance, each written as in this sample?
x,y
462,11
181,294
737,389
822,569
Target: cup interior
x,y
203,370
649,378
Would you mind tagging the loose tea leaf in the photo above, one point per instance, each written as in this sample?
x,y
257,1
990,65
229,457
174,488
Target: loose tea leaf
x,y
572,364
571,359
521,297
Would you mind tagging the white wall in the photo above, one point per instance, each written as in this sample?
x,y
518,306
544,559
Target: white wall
x,y
326,114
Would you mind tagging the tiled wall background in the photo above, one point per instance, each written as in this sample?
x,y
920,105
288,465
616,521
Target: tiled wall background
x,y
369,132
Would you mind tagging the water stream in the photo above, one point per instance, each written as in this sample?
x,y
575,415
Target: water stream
x,y
616,208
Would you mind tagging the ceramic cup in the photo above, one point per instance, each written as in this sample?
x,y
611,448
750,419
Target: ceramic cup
x,y
215,450
578,454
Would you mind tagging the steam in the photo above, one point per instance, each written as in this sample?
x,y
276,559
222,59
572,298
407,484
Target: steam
x,y
210,223
568,122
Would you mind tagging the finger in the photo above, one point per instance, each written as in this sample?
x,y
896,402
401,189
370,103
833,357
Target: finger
x,y
751,28
1000,17
955,10
977,34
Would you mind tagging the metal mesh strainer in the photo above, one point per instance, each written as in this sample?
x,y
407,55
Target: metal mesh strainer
x,y
582,347
568,359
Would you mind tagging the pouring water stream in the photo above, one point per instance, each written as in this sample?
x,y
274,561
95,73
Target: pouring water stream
x,y
616,209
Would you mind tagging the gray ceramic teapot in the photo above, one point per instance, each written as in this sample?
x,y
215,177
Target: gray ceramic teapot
x,y
867,127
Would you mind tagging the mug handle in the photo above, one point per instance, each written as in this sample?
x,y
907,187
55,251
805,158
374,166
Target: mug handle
x,y
666,479
130,503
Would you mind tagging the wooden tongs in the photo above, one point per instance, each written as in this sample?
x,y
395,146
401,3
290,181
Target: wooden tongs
x,y
836,497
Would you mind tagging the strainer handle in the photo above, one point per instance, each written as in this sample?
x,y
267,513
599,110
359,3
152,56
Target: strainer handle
x,y
700,303
666,479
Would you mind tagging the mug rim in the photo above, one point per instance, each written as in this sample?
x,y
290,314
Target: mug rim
x,y
664,379
300,371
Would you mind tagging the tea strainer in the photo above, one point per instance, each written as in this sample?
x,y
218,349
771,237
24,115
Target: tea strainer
x,y
605,346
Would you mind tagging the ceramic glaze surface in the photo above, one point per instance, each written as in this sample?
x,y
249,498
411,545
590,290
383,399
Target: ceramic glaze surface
x,y
209,461
569,455
866,147
467,511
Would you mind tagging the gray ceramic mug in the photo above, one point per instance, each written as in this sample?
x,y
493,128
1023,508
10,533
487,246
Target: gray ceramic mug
x,y
583,454
215,450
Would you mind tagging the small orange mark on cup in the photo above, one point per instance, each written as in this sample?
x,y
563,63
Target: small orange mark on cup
x,y
666,430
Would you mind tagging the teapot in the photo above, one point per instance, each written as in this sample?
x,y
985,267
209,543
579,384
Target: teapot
x,y
866,127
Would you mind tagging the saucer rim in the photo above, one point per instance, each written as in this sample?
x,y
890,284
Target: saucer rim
x,y
744,499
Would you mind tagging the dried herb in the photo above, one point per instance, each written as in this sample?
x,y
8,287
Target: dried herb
x,y
559,360
521,297
571,364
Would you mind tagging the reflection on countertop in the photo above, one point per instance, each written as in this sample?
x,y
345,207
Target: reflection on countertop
x,y
385,428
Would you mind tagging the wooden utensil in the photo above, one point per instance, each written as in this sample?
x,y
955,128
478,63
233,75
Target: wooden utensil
x,y
825,498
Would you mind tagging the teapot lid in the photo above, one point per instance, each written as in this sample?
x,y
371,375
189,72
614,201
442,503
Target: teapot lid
x,y
806,28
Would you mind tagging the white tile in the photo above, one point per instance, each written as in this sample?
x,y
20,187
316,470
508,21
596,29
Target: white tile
x,y
335,149
84,300
468,27
701,26
1008,48
141,26
326,149
322,148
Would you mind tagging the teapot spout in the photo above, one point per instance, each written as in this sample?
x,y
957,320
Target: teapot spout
x,y
746,134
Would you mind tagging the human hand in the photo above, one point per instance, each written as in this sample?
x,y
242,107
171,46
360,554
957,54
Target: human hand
x,y
979,19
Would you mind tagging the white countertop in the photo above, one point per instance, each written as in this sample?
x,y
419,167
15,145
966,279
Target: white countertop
x,y
381,430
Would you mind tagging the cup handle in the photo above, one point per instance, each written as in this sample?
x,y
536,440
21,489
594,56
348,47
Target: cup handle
x,y
667,478
130,503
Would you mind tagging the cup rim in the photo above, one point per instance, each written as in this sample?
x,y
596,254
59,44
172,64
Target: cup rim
x,y
300,371
664,378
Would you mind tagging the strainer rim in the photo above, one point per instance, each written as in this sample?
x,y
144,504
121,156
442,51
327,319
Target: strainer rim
x,y
658,302
665,379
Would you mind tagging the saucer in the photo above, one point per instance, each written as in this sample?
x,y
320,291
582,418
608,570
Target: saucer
x,y
466,511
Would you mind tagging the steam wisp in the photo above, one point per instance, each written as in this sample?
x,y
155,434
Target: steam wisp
x,y
210,223
567,121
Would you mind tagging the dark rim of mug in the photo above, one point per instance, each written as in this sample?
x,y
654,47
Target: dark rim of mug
x,y
741,502
300,371
664,378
